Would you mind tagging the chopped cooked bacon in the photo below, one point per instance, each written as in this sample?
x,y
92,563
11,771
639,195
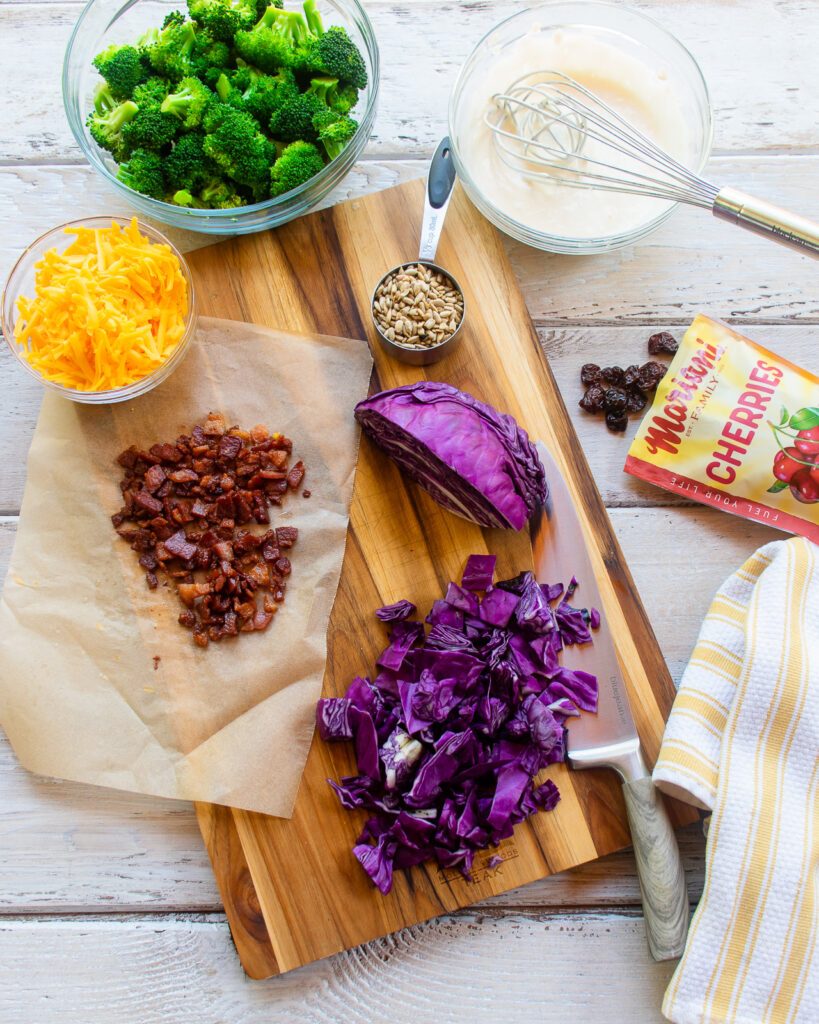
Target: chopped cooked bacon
x,y
189,510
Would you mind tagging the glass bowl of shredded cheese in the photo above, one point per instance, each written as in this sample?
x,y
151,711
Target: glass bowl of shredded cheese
x,y
100,310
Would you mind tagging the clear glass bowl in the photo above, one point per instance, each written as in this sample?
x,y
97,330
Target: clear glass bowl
x,y
640,35
103,22
21,282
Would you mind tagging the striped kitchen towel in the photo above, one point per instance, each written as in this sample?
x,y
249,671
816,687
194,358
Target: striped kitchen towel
x,y
743,742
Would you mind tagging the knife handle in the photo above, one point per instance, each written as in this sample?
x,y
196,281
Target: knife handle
x,y
659,868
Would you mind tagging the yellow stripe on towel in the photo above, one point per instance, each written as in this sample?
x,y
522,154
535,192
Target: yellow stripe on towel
x,y
743,740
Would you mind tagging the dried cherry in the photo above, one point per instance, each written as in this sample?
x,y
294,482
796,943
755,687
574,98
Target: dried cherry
x,y
662,343
615,401
590,374
614,375
616,422
593,399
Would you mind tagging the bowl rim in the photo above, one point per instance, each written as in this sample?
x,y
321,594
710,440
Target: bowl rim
x,y
568,244
91,151
138,387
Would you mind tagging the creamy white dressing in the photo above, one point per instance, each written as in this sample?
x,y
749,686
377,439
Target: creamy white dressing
x,y
626,76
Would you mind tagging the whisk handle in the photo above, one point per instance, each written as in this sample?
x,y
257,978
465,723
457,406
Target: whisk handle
x,y
764,218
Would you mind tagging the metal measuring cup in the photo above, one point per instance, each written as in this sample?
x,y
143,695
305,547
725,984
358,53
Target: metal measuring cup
x,y
440,182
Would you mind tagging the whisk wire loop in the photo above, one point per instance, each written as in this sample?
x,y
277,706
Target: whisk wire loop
x,y
541,126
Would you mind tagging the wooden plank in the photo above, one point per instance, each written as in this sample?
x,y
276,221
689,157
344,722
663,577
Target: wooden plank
x,y
769,109
567,348
476,968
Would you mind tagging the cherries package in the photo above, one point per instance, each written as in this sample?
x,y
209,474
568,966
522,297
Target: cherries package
x,y
737,427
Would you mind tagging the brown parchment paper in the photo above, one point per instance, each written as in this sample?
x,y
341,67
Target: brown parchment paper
x,y
80,696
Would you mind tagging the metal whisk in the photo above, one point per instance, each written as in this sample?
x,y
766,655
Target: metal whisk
x,y
544,120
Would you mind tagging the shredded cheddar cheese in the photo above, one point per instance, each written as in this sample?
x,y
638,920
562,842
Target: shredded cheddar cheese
x,y
108,310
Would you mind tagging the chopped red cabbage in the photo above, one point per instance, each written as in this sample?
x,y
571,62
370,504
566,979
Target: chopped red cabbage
x,y
451,735
396,612
475,461
479,571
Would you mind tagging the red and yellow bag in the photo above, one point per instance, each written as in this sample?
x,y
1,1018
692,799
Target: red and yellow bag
x,y
736,427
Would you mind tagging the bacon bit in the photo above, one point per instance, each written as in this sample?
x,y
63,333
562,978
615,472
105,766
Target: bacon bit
x,y
286,536
215,481
156,660
295,476
154,478
147,501
306,494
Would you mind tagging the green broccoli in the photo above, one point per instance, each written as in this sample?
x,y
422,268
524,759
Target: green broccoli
x,y
224,18
334,53
188,103
106,127
221,195
122,68
267,93
334,131
150,129
169,51
143,173
208,56
299,162
274,41
103,100
187,166
293,120
184,198
228,93
152,91
325,87
235,142
345,99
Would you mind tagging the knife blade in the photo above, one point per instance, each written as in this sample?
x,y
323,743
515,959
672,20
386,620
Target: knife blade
x,y
609,738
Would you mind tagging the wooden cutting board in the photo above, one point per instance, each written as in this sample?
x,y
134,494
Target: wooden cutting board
x,y
293,891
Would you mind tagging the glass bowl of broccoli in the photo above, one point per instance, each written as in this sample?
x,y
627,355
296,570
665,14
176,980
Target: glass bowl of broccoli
x,y
227,116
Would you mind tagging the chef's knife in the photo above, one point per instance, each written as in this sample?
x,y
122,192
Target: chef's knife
x,y
609,738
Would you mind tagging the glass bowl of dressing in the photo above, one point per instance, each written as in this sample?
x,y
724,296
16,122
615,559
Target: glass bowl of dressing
x,y
634,64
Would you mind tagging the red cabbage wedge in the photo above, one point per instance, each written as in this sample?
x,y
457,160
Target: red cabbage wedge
x,y
474,460
452,733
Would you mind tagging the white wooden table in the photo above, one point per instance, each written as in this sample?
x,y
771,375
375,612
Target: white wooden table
x,y
108,910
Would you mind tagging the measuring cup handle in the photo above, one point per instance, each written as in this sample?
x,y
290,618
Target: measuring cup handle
x,y
440,182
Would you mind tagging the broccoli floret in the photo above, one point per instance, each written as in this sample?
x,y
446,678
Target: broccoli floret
x,y
103,100
143,173
274,41
345,99
122,68
334,53
325,87
236,143
187,166
169,51
209,56
334,131
153,91
299,162
228,93
188,103
184,198
106,128
150,129
293,120
313,18
221,195
174,18
224,18
267,93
